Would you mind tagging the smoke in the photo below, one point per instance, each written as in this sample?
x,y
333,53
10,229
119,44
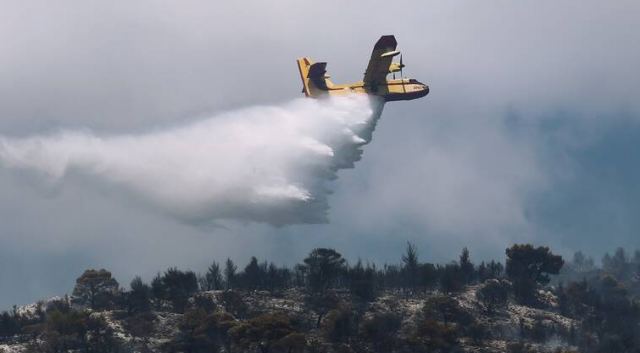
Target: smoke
x,y
267,164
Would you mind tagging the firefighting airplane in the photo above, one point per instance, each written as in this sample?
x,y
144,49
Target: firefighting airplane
x,y
316,82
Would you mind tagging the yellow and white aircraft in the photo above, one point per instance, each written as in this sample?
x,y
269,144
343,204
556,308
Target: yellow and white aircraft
x,y
316,81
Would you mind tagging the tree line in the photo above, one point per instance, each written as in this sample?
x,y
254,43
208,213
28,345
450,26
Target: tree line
x,y
322,270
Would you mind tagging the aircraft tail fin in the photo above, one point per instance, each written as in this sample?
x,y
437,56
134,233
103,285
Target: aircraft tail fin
x,y
314,78
303,67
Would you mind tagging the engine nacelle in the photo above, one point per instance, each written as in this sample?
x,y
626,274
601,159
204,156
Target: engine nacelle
x,y
395,67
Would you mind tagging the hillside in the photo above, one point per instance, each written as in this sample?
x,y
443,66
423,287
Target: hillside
x,y
327,305
392,320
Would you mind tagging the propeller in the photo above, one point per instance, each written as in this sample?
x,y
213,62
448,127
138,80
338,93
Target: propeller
x,y
401,74
401,66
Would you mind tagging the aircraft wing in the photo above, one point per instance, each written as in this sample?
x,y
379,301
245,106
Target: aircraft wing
x,y
381,57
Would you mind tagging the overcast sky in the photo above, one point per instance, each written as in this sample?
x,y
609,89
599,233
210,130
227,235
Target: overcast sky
x,y
530,133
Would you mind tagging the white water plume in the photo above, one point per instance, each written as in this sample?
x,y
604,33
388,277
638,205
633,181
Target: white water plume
x,y
266,164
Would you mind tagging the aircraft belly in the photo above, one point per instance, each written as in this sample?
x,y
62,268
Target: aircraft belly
x,y
405,96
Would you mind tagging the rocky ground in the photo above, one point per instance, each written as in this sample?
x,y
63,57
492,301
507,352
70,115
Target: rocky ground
x,y
503,327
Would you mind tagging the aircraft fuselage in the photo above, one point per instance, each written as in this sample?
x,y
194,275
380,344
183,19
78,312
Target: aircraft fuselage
x,y
391,90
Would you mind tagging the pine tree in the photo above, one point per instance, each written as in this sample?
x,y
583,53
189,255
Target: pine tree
x,y
139,298
230,273
95,288
323,267
213,277
252,274
410,266
466,267
527,267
